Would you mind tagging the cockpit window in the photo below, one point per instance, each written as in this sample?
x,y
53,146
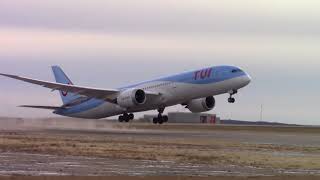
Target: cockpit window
x,y
236,70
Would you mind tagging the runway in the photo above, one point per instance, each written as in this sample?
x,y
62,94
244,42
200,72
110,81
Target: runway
x,y
137,149
44,165
48,165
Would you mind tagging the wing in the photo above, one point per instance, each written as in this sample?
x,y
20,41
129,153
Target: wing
x,y
41,107
104,94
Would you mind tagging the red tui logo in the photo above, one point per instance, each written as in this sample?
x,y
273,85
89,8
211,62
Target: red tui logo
x,y
203,74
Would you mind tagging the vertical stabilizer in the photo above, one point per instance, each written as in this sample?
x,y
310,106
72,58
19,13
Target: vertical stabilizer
x,y
62,78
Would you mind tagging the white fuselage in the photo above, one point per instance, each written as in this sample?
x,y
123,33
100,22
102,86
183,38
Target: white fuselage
x,y
172,93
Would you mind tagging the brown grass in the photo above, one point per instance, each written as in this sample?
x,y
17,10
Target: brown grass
x,y
161,178
210,151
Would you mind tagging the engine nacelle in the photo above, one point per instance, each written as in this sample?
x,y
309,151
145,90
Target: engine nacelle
x,y
202,104
131,98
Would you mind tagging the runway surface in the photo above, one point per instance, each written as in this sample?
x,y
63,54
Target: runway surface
x,y
44,165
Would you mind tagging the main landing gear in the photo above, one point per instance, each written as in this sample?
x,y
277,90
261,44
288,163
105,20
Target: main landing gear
x,y
126,117
232,99
160,119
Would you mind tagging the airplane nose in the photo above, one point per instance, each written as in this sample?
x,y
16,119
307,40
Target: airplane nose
x,y
248,78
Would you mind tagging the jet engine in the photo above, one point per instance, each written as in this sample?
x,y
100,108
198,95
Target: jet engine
x,y
201,104
131,98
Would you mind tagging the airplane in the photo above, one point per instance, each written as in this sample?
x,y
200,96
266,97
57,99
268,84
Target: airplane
x,y
194,89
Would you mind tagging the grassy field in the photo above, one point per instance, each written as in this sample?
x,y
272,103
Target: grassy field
x,y
180,149
161,178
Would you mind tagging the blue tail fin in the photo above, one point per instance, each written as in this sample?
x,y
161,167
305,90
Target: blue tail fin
x,y
62,78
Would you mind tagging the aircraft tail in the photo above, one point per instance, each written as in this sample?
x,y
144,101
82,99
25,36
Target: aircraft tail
x,y
62,78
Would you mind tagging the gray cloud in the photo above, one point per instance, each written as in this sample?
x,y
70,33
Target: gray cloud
x,y
164,16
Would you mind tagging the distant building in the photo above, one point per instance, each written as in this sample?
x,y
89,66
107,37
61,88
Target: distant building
x,y
185,117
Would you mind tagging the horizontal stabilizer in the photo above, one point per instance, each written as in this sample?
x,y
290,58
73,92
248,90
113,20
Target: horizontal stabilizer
x,y
41,107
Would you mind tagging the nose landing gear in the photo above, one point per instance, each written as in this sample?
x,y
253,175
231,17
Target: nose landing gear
x,y
232,99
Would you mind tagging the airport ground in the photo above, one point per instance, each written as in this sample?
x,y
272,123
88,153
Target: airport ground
x,y
99,148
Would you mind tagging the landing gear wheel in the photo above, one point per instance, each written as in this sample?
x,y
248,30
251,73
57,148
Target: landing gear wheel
x,y
231,100
155,120
131,116
126,117
160,121
121,119
165,119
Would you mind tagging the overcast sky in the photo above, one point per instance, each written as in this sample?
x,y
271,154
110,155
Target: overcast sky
x,y
111,43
